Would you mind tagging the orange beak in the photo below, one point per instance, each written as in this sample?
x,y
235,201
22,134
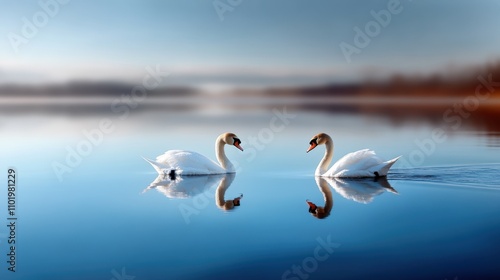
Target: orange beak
x,y
312,207
237,145
313,145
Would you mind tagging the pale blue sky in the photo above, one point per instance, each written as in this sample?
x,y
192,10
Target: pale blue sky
x,y
259,41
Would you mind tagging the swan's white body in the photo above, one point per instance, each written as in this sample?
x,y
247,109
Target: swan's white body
x,y
193,163
187,163
362,163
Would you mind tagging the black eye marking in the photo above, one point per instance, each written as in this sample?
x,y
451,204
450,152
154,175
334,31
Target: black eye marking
x,y
236,140
236,202
313,141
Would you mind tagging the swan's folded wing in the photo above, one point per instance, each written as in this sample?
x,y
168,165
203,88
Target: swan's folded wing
x,y
173,155
354,163
189,163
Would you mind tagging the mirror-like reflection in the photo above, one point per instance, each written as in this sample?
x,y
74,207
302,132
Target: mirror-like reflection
x,y
220,193
322,212
360,190
179,187
183,187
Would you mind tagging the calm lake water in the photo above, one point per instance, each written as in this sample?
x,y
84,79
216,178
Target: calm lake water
x,y
108,216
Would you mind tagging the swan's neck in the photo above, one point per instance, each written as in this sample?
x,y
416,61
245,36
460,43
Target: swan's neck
x,y
327,158
220,193
221,155
327,195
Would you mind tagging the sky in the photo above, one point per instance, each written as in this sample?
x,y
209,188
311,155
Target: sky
x,y
206,42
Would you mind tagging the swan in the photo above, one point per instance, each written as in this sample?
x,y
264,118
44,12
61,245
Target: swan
x,y
177,162
362,163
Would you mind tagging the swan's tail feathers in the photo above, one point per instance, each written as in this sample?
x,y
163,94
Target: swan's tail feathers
x,y
386,166
392,190
159,167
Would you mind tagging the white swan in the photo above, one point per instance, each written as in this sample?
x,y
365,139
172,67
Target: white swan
x,y
363,163
178,162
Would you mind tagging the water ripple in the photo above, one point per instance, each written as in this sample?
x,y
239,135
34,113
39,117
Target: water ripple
x,y
483,176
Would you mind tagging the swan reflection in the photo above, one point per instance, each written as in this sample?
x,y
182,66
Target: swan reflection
x,y
179,187
360,190
322,212
220,193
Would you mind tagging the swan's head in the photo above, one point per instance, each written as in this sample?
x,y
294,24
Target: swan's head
x,y
318,139
230,204
317,211
231,139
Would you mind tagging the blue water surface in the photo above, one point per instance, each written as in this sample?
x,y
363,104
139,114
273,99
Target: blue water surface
x,y
112,218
